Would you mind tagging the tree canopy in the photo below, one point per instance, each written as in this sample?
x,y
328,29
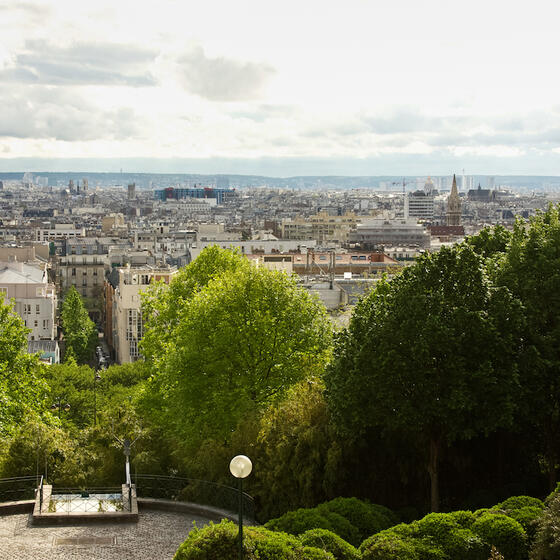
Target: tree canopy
x,y
430,353
531,270
236,338
79,330
21,387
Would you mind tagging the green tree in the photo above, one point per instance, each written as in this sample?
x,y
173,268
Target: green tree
x,y
22,389
79,330
490,241
163,306
233,345
531,270
431,354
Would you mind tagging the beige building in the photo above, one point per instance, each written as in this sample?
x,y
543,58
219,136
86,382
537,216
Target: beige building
x,y
126,313
82,264
112,221
35,298
322,227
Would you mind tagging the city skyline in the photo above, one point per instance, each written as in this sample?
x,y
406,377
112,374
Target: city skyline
x,y
290,89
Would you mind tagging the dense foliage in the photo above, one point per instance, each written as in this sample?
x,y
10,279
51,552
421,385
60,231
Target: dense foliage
x,y
219,542
235,342
431,353
79,330
22,391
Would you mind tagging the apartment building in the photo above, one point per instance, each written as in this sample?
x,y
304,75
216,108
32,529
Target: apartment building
x,y
34,296
123,291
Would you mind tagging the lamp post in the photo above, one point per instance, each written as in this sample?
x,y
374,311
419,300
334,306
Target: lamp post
x,y
240,467
96,379
58,405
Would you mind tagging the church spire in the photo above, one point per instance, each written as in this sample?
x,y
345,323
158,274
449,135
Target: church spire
x,y
454,205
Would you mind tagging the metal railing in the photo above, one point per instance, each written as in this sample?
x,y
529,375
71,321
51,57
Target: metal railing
x,y
87,500
200,492
18,488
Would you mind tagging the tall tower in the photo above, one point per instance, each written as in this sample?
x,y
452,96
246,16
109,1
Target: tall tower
x,y
454,206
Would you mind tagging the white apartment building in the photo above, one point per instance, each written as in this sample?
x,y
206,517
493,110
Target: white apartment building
x,y
58,232
420,205
35,298
127,324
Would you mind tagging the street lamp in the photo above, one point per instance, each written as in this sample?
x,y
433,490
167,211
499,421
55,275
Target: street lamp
x,y
58,405
96,379
240,467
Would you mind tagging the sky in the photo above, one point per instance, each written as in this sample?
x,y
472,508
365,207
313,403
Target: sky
x,y
284,88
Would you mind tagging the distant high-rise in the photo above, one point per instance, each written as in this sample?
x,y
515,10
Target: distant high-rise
x,y
454,206
71,186
131,191
85,186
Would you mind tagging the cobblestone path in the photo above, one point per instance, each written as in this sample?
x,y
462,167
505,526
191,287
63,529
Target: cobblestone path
x,y
156,536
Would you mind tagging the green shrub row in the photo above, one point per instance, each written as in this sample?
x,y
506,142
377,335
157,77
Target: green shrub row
x,y
352,519
317,534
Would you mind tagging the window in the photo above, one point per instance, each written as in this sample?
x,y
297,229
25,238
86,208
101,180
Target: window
x,y
35,323
73,272
45,323
37,309
4,292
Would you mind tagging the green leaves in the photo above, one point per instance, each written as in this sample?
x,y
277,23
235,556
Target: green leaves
x,y
21,387
79,330
236,338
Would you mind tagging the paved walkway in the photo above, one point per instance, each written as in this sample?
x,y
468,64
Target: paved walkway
x,y
156,536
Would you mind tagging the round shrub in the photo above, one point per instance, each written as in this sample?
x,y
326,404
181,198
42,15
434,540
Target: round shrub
x,y
341,526
220,542
327,540
386,546
464,519
312,553
528,518
446,532
518,502
299,521
506,534
367,518
304,519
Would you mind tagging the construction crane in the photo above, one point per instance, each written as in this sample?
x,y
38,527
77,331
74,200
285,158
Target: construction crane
x,y
405,207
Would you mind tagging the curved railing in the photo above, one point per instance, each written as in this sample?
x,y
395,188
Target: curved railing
x,y
200,492
174,488
18,488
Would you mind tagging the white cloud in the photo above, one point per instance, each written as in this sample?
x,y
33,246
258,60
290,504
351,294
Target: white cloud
x,y
292,79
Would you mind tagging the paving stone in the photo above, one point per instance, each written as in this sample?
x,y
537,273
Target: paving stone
x,y
156,536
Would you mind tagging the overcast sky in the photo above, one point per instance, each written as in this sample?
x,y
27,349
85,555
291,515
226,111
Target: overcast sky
x,y
379,87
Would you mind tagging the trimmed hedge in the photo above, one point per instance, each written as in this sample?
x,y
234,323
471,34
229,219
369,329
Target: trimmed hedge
x,y
518,502
331,542
366,517
351,519
388,546
304,519
446,531
220,542
506,534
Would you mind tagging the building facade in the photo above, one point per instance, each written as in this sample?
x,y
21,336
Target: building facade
x,y
34,297
126,313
